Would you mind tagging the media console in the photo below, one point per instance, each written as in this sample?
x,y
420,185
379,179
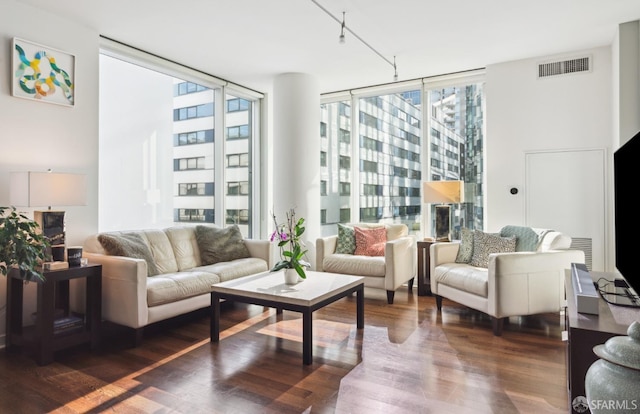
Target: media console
x,y
587,330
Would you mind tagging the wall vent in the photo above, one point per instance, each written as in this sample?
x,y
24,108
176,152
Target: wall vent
x,y
563,67
584,244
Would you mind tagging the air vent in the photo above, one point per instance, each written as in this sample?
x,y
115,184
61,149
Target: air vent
x,y
564,67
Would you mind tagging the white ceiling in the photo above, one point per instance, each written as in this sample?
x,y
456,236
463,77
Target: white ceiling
x,y
249,42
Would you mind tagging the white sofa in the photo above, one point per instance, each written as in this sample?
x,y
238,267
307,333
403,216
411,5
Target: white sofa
x,y
388,272
513,284
132,298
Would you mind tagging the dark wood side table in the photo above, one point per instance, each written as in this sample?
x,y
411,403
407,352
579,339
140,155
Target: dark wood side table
x,y
47,336
424,273
586,331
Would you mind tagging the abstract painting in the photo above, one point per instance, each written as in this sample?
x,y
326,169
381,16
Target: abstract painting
x,y
42,73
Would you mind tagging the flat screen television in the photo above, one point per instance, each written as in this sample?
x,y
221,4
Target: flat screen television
x,y
626,170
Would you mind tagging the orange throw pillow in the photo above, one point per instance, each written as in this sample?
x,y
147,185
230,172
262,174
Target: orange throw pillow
x,y
370,242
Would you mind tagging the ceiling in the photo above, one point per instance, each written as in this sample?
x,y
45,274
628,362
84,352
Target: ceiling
x,y
250,42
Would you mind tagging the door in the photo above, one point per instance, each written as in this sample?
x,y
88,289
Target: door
x,y
565,191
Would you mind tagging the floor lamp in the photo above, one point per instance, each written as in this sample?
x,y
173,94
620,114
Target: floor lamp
x,y
46,189
443,193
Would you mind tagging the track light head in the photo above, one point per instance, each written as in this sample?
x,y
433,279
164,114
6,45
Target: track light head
x,y
341,38
395,70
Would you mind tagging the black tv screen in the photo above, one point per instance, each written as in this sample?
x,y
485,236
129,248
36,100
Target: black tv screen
x,y
626,170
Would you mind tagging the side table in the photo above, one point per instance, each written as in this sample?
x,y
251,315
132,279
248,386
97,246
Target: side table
x,y
424,272
49,334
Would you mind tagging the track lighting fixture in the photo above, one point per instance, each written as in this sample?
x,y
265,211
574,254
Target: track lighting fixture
x,y
344,27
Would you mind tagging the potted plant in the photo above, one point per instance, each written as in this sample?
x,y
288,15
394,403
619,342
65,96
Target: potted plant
x,y
288,236
22,247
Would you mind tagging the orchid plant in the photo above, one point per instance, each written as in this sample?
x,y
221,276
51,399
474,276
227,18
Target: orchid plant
x,y
288,236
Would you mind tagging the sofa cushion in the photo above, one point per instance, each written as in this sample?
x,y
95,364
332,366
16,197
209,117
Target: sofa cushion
x,y
236,268
161,250
485,244
354,265
465,251
528,239
554,240
185,246
128,245
346,239
172,287
370,242
463,277
220,245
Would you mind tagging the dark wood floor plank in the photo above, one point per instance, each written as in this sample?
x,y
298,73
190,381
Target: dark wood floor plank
x,y
409,358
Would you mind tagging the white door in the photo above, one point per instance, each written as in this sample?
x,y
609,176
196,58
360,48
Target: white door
x,y
565,191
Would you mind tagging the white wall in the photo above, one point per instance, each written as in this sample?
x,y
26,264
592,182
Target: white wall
x,y
35,136
526,114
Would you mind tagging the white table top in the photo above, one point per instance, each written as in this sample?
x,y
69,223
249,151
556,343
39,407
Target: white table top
x,y
270,286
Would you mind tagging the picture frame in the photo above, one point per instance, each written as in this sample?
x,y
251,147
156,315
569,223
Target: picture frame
x,y
42,73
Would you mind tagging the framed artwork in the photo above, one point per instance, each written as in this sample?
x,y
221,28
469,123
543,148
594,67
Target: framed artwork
x,y
42,73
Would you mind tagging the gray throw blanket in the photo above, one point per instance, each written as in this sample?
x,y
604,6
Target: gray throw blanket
x,y
527,239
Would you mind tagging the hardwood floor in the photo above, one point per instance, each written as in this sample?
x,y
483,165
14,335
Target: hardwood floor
x,y
408,359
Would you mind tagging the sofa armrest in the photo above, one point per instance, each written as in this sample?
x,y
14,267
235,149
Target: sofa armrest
x,y
526,283
533,262
124,289
325,246
400,256
443,252
260,249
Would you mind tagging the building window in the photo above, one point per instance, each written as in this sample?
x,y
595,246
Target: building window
x,y
237,216
238,132
184,88
237,188
193,137
190,112
198,215
323,188
323,216
345,215
195,163
345,162
323,158
237,104
345,189
191,189
238,160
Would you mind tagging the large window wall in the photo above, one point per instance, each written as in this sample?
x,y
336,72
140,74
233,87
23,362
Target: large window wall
x,y
176,146
377,149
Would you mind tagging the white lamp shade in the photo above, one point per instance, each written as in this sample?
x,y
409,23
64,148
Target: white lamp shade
x,y
46,189
446,192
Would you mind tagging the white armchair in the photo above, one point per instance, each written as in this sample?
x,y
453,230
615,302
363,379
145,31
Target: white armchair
x,y
513,284
388,272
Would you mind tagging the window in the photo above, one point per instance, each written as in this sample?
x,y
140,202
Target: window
x,y
456,136
238,188
190,112
238,160
193,215
195,163
237,217
323,188
164,150
237,104
195,189
236,132
193,137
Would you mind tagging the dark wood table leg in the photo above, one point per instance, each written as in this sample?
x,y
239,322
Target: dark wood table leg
x,y
307,337
44,323
424,279
215,318
94,309
360,307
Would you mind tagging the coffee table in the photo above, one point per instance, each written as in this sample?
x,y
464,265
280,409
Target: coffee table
x,y
268,289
